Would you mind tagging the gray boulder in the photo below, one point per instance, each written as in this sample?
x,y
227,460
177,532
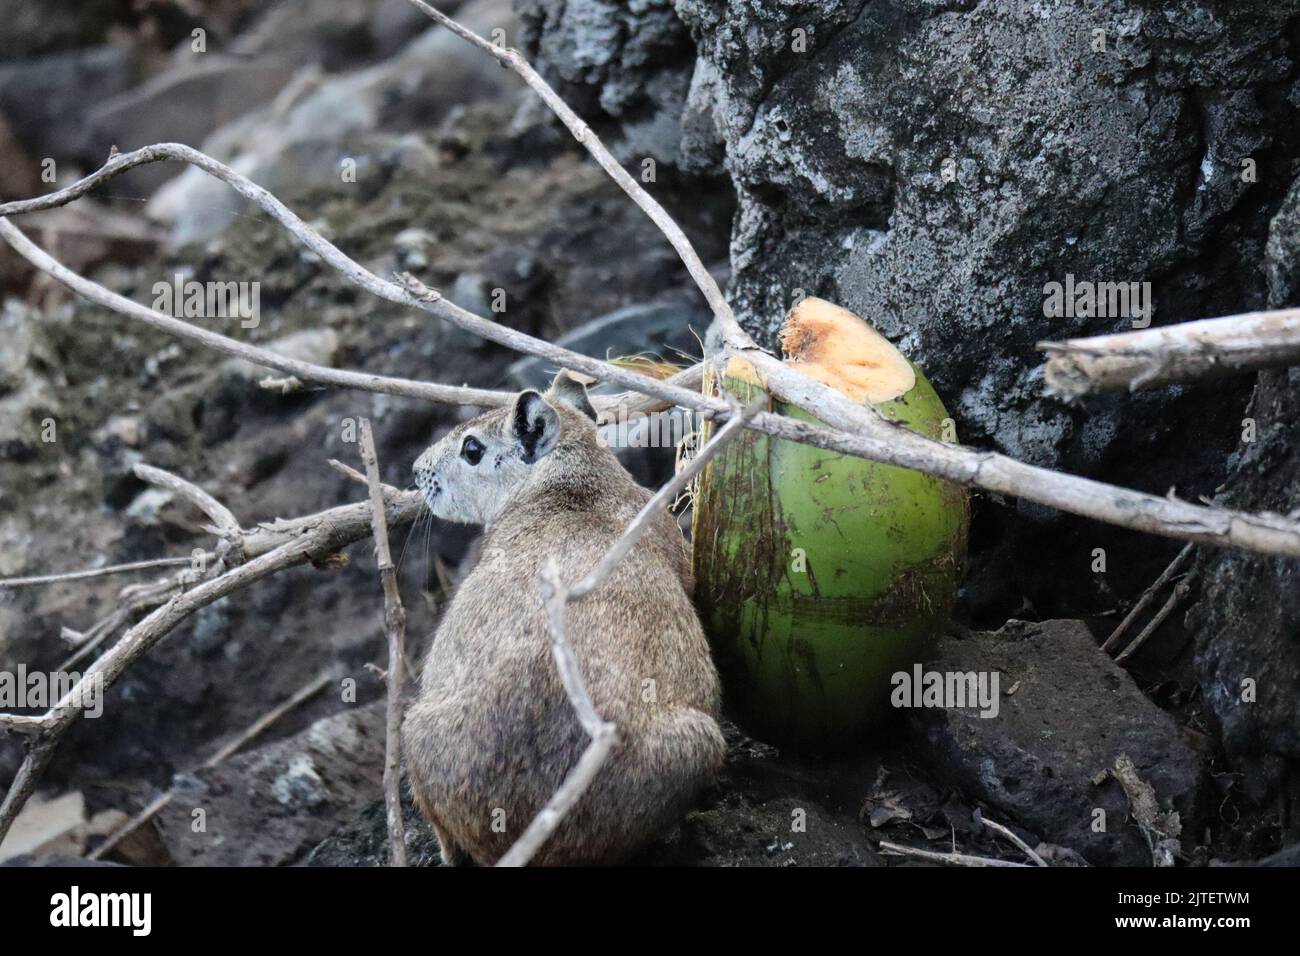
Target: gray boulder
x,y
1065,713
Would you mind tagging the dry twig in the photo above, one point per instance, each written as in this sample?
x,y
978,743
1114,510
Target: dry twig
x,y
93,572
1187,352
1148,597
395,629
1024,847
1179,594
952,859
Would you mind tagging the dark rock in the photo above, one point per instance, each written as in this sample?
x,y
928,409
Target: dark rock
x,y
1245,625
1072,712
269,806
625,66
51,100
364,840
31,29
661,330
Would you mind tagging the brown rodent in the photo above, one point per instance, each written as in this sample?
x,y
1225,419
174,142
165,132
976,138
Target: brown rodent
x,y
493,734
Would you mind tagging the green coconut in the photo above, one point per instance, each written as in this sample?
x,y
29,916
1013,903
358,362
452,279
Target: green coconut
x,y
818,575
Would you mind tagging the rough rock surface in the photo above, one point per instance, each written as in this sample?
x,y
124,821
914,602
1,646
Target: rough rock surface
x,y
1067,711
1247,623
625,66
269,806
932,164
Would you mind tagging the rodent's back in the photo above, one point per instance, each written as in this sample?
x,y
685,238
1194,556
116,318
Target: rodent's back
x,y
640,620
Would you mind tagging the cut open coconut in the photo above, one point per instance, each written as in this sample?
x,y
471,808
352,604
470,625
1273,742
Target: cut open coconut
x,y
819,576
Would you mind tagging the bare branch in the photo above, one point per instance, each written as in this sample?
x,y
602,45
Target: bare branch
x,y
1148,597
662,499
304,371
225,525
1021,844
23,724
93,572
1179,594
395,629
1187,352
954,859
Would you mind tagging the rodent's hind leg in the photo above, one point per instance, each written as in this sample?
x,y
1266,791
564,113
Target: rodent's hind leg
x,y
683,747
452,854
671,760
420,732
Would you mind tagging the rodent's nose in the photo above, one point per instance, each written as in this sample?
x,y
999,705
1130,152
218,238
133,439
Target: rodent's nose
x,y
426,479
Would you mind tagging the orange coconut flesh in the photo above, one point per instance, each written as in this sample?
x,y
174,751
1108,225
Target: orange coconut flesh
x,y
837,348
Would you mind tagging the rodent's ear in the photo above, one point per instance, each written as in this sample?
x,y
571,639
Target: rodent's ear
x,y
536,425
566,388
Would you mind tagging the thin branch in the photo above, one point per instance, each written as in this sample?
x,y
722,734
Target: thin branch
x,y
603,735
1187,352
661,500
222,518
226,751
1148,597
1006,832
23,724
305,371
953,859
395,629
93,572
1181,590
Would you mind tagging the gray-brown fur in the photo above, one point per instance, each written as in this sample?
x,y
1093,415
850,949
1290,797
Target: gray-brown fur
x,y
492,734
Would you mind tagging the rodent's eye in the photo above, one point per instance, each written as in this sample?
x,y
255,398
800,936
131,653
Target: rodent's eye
x,y
472,450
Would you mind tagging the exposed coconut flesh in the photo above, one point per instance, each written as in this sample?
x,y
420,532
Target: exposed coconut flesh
x,y
837,348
